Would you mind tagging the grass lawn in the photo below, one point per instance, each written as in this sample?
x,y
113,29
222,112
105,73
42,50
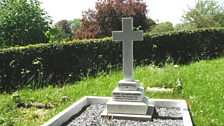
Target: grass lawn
x,y
203,88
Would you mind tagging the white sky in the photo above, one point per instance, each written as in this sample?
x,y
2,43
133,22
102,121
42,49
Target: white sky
x,y
159,10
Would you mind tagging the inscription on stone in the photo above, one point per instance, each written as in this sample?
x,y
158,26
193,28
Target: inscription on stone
x,y
126,96
133,96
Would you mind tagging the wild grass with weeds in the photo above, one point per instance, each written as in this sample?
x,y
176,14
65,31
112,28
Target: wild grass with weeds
x,y
202,87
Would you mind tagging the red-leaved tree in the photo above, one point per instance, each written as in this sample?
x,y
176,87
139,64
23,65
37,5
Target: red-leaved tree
x,y
107,18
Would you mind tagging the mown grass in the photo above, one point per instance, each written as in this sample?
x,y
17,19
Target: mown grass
x,y
202,87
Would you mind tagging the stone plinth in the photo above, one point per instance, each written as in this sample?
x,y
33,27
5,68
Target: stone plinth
x,y
137,108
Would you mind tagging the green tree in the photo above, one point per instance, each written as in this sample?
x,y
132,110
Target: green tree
x,y
206,13
22,22
163,27
180,26
64,29
151,24
75,24
54,35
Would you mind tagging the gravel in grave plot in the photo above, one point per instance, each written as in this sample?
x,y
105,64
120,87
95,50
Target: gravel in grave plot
x,y
90,116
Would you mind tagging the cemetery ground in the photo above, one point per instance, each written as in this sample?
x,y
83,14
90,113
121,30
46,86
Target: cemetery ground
x,y
202,86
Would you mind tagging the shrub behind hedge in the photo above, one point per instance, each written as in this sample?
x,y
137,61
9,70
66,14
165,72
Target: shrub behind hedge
x,y
73,60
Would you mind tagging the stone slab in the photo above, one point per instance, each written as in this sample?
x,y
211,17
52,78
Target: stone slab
x,y
128,96
125,85
138,108
66,114
159,89
147,117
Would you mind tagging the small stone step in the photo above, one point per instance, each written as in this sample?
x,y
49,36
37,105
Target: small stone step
x,y
125,85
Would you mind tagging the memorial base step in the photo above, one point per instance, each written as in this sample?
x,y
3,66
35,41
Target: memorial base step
x,y
147,117
138,108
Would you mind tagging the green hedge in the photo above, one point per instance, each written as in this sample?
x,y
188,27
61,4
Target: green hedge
x,y
182,47
73,60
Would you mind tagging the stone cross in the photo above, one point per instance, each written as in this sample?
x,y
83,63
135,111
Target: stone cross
x,y
128,100
127,35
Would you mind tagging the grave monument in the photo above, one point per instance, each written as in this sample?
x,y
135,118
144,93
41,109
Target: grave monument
x,y
128,99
